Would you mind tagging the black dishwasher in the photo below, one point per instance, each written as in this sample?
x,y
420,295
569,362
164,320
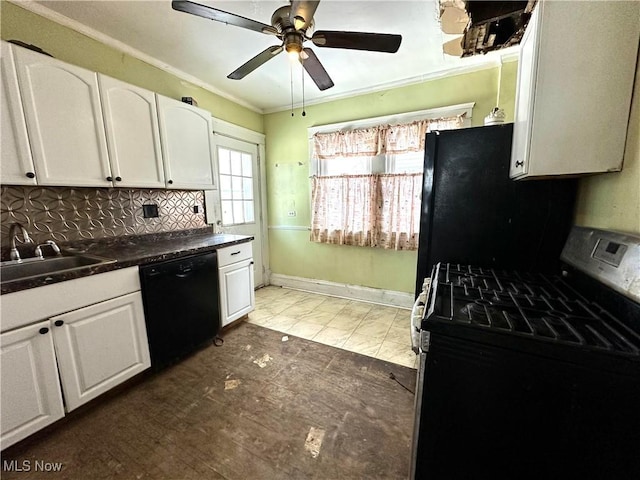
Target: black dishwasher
x,y
180,305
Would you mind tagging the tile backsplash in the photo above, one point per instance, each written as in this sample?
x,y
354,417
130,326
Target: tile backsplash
x,y
66,214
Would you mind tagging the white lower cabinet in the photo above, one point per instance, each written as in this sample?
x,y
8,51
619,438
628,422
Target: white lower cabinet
x,y
99,347
237,295
236,291
94,338
31,396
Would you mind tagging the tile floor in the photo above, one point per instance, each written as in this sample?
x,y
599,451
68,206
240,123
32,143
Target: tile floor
x,y
369,329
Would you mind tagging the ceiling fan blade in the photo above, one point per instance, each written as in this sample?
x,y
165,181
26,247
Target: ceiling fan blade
x,y
221,16
302,13
315,70
255,62
374,42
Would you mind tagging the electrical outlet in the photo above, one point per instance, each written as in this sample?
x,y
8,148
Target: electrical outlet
x,y
196,209
150,210
292,213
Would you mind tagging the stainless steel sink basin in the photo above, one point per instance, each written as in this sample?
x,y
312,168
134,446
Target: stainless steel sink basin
x,y
33,267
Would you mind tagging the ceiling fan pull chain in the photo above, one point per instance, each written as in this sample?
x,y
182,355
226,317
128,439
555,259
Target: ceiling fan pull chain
x,y
302,71
291,75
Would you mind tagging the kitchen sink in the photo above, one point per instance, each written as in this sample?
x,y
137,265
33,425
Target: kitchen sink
x,y
35,267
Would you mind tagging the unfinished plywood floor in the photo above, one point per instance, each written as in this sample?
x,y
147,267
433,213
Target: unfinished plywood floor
x,y
255,408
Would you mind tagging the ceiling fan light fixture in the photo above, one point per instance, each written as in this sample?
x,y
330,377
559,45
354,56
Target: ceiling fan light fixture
x,y
294,55
293,45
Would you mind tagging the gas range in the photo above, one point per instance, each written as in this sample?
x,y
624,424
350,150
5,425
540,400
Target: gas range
x,y
541,367
544,308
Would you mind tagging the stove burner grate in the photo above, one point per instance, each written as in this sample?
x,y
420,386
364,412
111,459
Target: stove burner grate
x,y
530,306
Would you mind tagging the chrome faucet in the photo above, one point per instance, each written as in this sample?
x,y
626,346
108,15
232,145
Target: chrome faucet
x,y
48,243
14,254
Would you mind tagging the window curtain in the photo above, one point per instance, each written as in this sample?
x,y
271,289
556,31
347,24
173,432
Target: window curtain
x,y
383,139
399,204
344,210
371,210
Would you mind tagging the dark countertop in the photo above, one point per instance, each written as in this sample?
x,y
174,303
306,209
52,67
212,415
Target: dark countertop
x,y
130,251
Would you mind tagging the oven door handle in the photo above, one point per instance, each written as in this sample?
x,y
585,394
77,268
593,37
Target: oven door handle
x,y
416,323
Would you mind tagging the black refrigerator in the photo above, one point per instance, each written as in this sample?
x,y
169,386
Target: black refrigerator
x,y
474,214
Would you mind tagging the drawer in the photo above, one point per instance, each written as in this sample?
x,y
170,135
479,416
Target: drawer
x,y
236,253
28,306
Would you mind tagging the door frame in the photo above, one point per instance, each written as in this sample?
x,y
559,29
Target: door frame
x,y
227,129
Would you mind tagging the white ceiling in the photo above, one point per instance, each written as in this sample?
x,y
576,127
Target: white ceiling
x,y
205,52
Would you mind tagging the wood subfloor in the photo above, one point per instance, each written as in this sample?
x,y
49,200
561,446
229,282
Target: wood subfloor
x,y
255,408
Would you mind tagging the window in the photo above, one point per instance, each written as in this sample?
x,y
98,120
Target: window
x,y
236,187
367,182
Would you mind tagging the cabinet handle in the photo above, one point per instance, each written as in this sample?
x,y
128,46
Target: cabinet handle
x,y
236,253
251,263
58,323
118,179
31,175
43,330
109,179
170,182
519,163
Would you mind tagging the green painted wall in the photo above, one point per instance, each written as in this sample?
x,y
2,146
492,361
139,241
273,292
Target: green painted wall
x,y
288,186
70,46
612,200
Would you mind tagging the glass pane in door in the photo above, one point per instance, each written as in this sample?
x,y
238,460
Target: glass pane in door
x,y
236,187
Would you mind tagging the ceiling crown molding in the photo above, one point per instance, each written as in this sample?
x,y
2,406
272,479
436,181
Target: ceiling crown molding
x,y
58,18
493,60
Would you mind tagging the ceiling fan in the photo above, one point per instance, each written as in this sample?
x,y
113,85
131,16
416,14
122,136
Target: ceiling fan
x,y
293,24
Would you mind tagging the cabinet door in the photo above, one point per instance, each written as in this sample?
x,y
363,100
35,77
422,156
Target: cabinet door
x,y
16,164
524,97
564,123
133,139
100,346
186,135
237,296
64,120
31,396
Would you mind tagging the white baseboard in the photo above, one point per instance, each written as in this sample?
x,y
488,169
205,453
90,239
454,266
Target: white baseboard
x,y
352,292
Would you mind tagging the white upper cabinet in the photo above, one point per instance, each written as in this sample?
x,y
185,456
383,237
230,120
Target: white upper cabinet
x,y
16,164
64,121
575,81
131,123
186,133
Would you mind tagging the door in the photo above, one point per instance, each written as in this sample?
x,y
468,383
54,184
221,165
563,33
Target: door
x,y
186,135
100,346
64,119
237,297
133,138
525,92
31,396
240,205
15,155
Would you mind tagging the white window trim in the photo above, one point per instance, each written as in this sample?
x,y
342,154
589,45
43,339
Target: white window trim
x,y
395,119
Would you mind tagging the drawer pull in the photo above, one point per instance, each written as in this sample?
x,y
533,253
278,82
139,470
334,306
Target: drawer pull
x,y
236,253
